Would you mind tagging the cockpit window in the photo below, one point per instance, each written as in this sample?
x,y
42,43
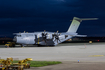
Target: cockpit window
x,y
19,35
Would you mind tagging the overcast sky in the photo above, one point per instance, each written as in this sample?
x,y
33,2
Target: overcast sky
x,y
51,15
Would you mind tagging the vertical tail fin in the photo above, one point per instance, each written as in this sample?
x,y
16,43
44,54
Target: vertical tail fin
x,y
74,25
76,22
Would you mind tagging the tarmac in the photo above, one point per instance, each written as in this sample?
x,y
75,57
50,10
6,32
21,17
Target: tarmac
x,y
74,56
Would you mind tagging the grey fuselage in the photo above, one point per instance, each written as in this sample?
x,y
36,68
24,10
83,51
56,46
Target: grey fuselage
x,y
29,38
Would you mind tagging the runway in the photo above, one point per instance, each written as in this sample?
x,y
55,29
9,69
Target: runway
x,y
84,52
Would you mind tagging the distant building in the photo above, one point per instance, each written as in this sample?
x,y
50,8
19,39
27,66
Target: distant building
x,y
4,40
86,39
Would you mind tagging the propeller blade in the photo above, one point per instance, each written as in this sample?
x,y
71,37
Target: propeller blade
x,y
44,36
56,36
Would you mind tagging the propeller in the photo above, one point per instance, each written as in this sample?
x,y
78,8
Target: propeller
x,y
44,36
56,36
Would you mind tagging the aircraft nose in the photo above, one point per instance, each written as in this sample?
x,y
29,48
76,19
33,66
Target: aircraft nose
x,y
15,39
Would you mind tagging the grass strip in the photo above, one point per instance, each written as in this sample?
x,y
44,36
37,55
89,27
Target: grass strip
x,y
41,63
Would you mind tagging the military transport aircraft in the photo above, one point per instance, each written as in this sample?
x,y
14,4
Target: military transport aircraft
x,y
50,38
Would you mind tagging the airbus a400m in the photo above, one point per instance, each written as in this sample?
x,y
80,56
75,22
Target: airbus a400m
x,y
50,38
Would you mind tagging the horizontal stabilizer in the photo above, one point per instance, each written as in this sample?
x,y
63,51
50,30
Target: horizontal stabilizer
x,y
84,19
89,18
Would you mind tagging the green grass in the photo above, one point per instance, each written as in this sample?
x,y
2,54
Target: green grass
x,y
15,61
41,63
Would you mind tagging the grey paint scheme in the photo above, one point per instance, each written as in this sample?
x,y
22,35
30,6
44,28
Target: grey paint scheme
x,y
36,37
27,39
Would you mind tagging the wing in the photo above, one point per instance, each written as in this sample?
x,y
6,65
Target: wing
x,y
69,33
